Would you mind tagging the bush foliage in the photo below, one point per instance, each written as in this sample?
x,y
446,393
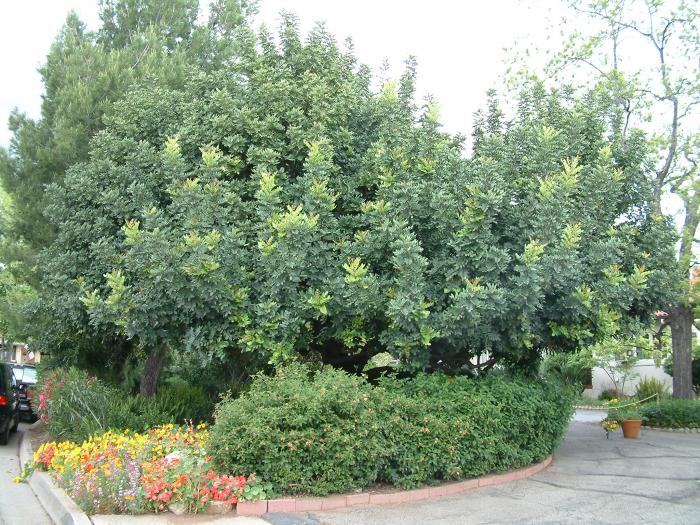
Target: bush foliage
x,y
282,208
676,413
323,432
75,406
647,387
568,368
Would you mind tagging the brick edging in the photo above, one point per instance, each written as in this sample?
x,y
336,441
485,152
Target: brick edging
x,y
258,508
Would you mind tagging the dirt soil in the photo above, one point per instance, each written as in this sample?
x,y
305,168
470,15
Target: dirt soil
x,y
37,434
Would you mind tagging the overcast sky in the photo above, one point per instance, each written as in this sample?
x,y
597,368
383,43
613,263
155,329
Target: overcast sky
x,y
458,44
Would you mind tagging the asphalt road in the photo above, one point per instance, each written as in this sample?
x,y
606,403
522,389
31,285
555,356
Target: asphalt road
x,y
18,505
652,480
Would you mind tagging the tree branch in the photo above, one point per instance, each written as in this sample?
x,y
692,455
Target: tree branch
x,y
662,174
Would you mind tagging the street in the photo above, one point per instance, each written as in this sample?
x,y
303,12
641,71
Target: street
x,y
18,505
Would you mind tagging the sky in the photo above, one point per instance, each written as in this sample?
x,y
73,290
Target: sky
x,y
459,45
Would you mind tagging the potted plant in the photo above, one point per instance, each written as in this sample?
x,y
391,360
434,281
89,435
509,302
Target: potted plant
x,y
610,424
631,422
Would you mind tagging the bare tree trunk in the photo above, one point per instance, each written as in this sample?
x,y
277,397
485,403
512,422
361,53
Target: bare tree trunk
x,y
680,320
151,370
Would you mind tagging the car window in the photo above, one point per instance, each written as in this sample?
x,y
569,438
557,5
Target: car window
x,y
29,375
24,374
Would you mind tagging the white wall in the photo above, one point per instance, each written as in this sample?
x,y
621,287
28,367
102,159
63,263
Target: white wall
x,y
645,368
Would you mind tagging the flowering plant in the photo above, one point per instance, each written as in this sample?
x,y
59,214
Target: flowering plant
x,y
610,425
130,472
47,385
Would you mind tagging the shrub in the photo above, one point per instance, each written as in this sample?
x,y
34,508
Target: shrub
x,y
331,432
443,428
570,369
673,413
75,406
135,412
315,434
184,402
608,394
630,413
647,387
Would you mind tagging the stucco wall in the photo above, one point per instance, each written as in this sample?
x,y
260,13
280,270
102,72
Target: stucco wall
x,y
645,368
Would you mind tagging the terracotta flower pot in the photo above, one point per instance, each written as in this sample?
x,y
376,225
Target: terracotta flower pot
x,y
631,428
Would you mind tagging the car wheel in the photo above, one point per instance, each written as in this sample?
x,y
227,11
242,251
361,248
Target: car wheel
x,y
15,426
5,436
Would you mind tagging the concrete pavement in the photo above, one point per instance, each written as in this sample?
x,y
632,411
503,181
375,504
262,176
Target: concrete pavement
x,y
653,480
18,505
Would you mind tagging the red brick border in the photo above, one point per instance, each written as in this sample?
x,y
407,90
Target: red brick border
x,y
258,508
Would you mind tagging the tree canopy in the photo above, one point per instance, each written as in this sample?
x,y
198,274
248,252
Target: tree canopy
x,y
643,55
152,42
278,207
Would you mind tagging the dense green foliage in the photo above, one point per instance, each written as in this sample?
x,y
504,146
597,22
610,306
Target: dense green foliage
x,y
608,394
676,413
573,369
648,387
305,435
332,432
282,209
624,414
141,42
184,402
643,53
75,406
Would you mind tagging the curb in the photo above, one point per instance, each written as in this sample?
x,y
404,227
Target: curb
x,y
674,430
258,508
60,508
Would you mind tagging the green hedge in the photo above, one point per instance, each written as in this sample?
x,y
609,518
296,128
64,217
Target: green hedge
x,y
676,413
324,432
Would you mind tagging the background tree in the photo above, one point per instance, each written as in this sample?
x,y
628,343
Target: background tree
x,y
280,209
644,55
152,42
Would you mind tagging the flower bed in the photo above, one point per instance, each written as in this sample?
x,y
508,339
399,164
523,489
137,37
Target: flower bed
x,y
131,472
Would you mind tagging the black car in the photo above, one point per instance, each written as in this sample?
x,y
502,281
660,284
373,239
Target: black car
x,y
25,383
9,404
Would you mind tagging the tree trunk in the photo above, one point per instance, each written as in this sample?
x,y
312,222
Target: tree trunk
x,y
151,370
680,320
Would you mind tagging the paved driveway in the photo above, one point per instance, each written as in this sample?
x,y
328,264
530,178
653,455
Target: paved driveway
x,y
652,480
